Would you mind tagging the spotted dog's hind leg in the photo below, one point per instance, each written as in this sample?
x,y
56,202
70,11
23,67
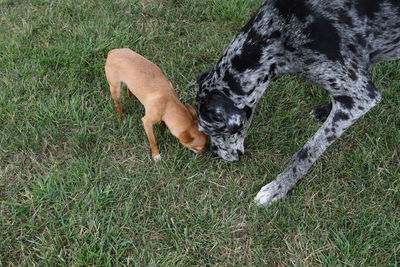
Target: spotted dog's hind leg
x,y
346,109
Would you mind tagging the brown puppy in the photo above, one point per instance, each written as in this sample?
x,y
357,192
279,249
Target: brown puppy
x,y
146,81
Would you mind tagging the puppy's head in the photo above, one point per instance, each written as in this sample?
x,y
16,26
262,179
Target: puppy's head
x,y
192,138
221,120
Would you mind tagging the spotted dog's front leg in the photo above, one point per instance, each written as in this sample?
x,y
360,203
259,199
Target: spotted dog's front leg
x,y
345,111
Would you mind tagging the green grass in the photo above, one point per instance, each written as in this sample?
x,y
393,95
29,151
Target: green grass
x,y
77,186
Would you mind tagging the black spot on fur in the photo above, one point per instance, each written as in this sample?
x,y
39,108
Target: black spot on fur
x,y
275,34
323,112
346,101
289,8
288,47
334,86
294,169
395,41
352,48
309,61
367,7
272,69
331,138
344,18
251,52
234,86
303,154
361,40
200,78
353,75
248,110
259,14
374,53
372,90
340,116
324,39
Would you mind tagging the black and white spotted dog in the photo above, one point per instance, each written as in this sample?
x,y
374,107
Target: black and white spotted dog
x,y
332,43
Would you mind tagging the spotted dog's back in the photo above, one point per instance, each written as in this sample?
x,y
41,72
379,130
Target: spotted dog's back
x,y
333,43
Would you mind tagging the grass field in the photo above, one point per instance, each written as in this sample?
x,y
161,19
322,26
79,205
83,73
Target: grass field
x,y
77,186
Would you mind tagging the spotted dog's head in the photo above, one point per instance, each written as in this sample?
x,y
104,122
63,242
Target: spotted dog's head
x,y
221,120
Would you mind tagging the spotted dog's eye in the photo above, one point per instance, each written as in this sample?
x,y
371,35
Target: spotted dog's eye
x,y
216,118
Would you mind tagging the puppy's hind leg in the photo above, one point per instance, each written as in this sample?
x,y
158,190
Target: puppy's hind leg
x,y
115,90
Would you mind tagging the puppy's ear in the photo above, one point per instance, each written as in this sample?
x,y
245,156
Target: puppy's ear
x,y
192,111
200,78
185,137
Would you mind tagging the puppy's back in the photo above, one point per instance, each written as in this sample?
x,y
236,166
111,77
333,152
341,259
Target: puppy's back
x,y
138,73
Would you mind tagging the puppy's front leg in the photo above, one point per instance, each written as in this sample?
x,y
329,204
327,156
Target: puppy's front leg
x,y
148,127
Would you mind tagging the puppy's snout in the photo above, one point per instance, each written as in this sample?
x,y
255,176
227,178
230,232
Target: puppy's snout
x,y
202,150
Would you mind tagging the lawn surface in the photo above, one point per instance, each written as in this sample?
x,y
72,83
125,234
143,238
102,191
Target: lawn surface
x,y
77,186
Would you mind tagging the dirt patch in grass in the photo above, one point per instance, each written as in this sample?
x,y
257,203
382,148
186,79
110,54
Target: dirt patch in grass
x,y
150,2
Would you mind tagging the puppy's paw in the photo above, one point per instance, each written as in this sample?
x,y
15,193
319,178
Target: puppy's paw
x,y
269,193
157,158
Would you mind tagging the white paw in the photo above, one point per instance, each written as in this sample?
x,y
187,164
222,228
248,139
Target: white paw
x,y
157,158
269,193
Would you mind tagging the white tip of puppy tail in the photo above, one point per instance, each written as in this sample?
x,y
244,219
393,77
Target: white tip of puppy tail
x,y
157,158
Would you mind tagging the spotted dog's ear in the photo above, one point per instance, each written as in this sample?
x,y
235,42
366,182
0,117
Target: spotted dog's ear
x,y
200,78
220,108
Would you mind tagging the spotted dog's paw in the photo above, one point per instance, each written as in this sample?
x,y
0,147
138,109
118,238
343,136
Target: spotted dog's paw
x,y
269,193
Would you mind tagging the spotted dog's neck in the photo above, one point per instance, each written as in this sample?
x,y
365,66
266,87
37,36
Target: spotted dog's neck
x,y
252,61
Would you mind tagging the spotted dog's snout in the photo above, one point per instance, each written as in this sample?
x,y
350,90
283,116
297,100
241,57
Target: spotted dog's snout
x,y
228,157
229,151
